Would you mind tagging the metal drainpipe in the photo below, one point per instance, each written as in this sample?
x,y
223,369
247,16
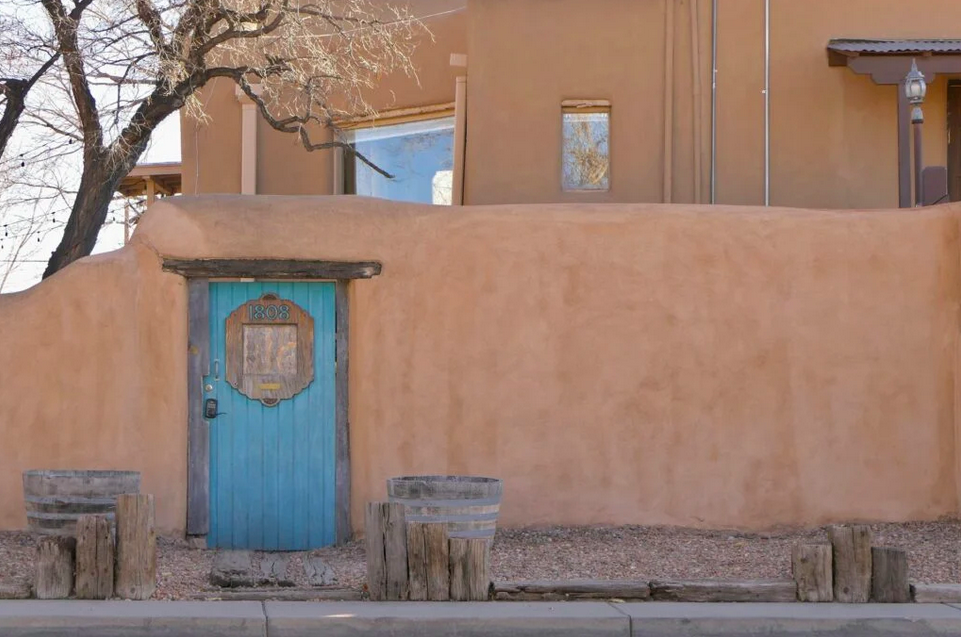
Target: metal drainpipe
x,y
668,185
767,102
714,102
696,81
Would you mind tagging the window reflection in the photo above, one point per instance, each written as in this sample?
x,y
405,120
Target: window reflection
x,y
420,155
586,162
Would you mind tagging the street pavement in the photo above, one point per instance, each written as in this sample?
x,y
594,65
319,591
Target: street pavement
x,y
499,619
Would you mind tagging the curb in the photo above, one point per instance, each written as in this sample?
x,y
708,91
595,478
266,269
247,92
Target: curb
x,y
523,619
116,619
783,620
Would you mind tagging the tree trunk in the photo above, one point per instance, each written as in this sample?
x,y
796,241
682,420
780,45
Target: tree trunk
x,y
16,94
87,216
104,168
11,113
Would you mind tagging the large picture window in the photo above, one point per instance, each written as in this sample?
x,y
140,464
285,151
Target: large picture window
x,y
420,156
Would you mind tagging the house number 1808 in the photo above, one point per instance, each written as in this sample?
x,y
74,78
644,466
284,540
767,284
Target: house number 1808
x,y
260,312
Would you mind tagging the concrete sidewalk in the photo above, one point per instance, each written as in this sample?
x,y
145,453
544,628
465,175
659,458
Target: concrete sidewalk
x,y
334,619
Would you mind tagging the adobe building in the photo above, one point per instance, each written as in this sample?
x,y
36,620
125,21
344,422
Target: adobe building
x,y
806,109
267,362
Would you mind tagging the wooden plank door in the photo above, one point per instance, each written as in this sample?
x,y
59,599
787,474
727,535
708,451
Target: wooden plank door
x,y
272,460
954,141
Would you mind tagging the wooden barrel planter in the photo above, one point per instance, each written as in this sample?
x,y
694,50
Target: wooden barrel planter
x,y
468,505
55,499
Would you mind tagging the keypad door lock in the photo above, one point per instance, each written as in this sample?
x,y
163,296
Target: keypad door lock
x,y
210,409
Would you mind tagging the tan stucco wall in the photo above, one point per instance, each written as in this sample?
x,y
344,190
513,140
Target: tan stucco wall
x,y
92,378
833,133
726,367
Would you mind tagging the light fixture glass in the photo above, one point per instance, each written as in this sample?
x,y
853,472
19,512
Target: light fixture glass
x,y
915,88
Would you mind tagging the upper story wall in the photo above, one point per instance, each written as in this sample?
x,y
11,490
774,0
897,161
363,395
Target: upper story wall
x,y
211,150
525,58
833,134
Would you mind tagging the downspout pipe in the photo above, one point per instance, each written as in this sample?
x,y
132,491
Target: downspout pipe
x,y
714,102
767,102
696,81
668,185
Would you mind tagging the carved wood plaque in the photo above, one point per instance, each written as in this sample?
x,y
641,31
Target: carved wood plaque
x,y
270,349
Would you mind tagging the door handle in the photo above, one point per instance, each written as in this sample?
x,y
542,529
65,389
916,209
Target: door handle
x,y
216,369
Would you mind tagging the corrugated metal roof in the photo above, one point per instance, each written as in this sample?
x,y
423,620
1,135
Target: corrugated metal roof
x,y
895,47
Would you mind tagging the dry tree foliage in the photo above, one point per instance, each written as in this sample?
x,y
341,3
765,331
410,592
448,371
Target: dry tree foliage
x,y
586,158
117,68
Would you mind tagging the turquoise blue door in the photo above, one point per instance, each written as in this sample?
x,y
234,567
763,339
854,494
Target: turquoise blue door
x,y
272,428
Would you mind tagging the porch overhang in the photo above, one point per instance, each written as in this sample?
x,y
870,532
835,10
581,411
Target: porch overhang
x,y
148,180
888,62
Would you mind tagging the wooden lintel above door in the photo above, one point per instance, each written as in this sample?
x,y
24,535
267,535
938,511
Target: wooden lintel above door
x,y
272,268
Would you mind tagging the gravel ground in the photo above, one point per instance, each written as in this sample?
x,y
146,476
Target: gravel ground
x,y
636,552
625,552
183,571
16,557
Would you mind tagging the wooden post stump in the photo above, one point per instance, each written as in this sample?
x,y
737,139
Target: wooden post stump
x,y
136,547
812,572
428,561
851,548
55,565
469,569
376,555
95,557
889,581
385,526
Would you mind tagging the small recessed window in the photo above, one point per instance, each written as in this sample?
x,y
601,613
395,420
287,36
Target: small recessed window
x,y
586,164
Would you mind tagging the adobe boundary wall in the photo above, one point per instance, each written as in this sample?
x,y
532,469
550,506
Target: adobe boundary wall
x,y
713,367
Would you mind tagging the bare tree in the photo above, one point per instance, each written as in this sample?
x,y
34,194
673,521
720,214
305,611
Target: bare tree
x,y
586,159
24,58
36,191
129,64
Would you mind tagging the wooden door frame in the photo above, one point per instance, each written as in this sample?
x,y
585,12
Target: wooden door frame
x,y
954,139
199,273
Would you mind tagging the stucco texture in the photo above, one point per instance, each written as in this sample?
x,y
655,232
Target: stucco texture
x,y
93,377
711,367
833,134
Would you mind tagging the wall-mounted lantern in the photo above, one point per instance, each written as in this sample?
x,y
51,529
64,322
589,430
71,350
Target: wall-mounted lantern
x,y
915,89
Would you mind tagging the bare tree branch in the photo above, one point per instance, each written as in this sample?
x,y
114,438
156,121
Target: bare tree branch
x,y
65,28
126,65
15,91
